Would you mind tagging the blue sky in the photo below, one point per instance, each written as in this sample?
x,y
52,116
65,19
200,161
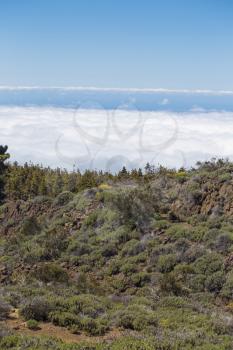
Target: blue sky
x,y
174,44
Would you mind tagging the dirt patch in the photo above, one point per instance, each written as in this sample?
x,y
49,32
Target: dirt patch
x,y
49,330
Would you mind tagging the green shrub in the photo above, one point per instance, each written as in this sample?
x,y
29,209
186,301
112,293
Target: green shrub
x,y
225,177
32,324
193,253
114,267
94,327
182,245
30,226
208,264
136,318
223,243
214,282
4,309
54,242
174,301
132,248
64,319
169,284
130,343
78,248
43,343
140,279
137,205
31,252
75,329
128,269
120,283
4,332
51,273
160,224
166,263
211,235
92,218
197,283
109,250
37,308
63,198
227,290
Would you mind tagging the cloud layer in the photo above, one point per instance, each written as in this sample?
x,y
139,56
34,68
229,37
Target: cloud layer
x,y
140,90
108,139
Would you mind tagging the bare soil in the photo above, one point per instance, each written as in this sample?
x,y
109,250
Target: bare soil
x,y
15,323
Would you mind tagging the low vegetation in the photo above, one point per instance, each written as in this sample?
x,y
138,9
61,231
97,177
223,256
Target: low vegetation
x,y
147,254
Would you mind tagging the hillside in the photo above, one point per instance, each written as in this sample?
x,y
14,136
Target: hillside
x,y
130,261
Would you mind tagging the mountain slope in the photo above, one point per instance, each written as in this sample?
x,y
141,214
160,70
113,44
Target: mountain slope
x,y
152,259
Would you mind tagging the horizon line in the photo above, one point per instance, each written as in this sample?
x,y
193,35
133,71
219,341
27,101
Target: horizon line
x,y
107,89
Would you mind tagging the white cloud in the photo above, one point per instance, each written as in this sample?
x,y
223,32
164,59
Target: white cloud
x,y
106,138
130,90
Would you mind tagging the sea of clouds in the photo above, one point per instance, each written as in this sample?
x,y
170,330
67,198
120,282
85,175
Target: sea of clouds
x,y
107,139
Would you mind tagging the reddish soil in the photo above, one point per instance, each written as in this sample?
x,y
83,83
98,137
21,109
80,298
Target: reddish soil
x,y
48,329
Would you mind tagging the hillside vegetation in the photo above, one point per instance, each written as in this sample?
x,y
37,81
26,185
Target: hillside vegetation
x,y
146,257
